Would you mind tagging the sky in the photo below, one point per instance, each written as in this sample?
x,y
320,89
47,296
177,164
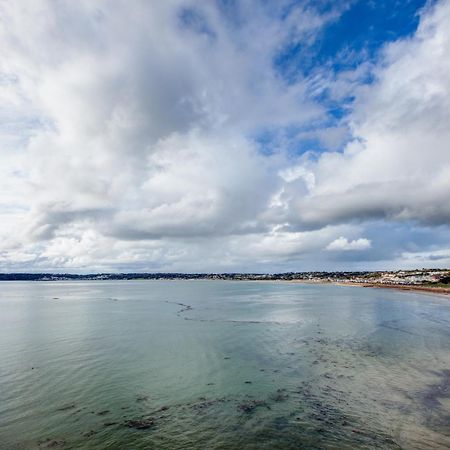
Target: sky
x,y
224,135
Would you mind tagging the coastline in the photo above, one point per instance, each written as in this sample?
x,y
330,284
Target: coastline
x,y
428,289
402,287
441,291
438,290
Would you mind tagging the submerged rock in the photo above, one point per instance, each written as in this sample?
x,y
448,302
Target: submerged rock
x,y
205,403
140,424
250,406
280,395
66,407
51,443
89,433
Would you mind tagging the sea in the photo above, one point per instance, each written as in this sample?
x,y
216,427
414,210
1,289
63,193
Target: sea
x,y
222,365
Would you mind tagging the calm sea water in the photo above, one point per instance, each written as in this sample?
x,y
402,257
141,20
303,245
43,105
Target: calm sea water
x,y
222,365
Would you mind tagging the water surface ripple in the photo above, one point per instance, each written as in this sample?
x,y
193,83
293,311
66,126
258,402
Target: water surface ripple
x,y
222,365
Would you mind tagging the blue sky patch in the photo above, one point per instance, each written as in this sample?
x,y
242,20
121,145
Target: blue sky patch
x,y
356,36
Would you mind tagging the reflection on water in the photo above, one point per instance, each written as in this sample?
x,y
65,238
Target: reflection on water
x,y
179,365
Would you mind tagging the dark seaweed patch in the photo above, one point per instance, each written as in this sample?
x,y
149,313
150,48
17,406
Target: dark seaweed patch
x,y
140,424
51,443
436,416
66,407
251,405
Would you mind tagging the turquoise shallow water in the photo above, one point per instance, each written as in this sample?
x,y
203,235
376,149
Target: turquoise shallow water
x,y
222,365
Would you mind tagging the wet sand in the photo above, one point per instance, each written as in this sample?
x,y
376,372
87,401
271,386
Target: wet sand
x,y
402,287
424,289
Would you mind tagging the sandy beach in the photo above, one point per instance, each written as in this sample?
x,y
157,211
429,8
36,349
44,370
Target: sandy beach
x,y
424,289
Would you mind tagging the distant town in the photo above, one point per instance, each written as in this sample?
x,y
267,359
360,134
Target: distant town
x,y
421,277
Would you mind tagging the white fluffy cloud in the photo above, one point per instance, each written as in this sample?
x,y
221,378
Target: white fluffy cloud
x,y
129,138
343,244
397,167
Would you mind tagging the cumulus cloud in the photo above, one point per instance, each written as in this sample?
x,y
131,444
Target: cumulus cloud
x,y
343,244
397,166
130,137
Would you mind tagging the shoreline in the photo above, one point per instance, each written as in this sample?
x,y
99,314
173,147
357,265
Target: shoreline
x,y
407,287
441,291
401,287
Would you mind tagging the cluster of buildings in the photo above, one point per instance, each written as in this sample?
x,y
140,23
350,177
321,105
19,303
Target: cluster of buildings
x,y
409,277
399,277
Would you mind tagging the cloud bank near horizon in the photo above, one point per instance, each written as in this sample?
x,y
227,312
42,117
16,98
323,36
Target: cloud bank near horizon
x,y
193,136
